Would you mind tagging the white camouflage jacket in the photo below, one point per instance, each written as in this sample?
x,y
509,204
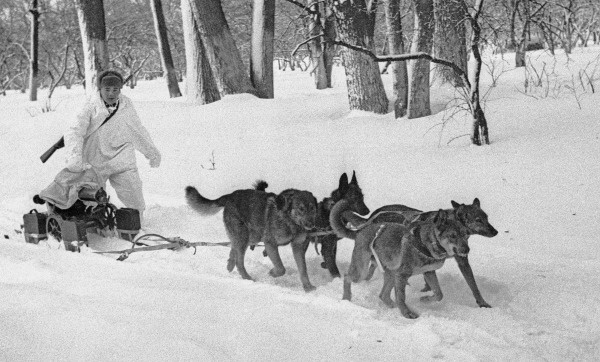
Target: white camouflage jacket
x,y
109,148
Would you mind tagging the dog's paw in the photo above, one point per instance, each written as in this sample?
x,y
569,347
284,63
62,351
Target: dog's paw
x,y
483,304
276,272
409,314
309,287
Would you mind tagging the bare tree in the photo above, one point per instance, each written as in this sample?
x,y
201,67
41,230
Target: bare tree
x,y
450,38
355,24
93,36
418,98
56,73
317,46
164,48
261,56
201,86
395,38
219,47
480,134
34,14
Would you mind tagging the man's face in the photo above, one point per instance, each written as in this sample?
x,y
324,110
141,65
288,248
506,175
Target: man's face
x,y
110,94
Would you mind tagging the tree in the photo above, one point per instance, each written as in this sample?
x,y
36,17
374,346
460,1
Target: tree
x,y
201,86
93,36
480,134
418,98
164,48
33,57
395,40
316,46
449,40
219,47
355,24
261,58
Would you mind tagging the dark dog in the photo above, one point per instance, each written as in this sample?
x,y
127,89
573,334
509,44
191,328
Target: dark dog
x,y
350,192
401,252
472,217
251,216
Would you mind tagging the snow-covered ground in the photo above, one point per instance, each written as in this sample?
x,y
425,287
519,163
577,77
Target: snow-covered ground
x,y
538,181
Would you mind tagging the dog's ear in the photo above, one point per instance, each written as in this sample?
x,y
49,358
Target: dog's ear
x,y
353,181
455,204
476,203
343,186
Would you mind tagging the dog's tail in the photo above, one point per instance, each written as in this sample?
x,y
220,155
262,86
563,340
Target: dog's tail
x,y
336,220
201,204
260,185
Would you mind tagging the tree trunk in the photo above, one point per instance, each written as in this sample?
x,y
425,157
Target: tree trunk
x,y
479,134
93,36
201,86
33,57
419,104
316,46
450,40
261,55
329,49
355,25
220,49
164,48
393,20
520,45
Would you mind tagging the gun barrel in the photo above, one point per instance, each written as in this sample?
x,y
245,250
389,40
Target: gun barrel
x,y
58,145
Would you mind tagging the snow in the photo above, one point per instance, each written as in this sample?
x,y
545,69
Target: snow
x,y
538,181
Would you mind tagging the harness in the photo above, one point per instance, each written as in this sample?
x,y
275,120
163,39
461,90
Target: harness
x,y
415,242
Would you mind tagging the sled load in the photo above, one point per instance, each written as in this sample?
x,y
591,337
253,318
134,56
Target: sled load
x,y
91,212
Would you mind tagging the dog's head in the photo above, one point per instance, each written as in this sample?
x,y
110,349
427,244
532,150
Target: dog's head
x,y
300,206
451,235
474,219
351,192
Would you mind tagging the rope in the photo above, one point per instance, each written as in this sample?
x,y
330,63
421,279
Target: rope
x,y
173,243
381,227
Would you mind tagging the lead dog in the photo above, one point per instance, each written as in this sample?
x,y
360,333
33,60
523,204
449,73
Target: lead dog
x,y
472,217
401,251
251,216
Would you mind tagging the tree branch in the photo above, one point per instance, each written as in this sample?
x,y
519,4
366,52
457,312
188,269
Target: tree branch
x,y
403,57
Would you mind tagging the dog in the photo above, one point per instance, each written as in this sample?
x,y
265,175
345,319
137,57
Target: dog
x,y
253,215
352,193
401,252
472,217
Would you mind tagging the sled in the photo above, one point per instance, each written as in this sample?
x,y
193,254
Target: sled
x,y
91,213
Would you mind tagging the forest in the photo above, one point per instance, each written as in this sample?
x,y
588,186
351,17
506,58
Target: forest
x,y
222,47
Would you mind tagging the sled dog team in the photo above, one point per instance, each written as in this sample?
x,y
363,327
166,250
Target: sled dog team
x,y
398,239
